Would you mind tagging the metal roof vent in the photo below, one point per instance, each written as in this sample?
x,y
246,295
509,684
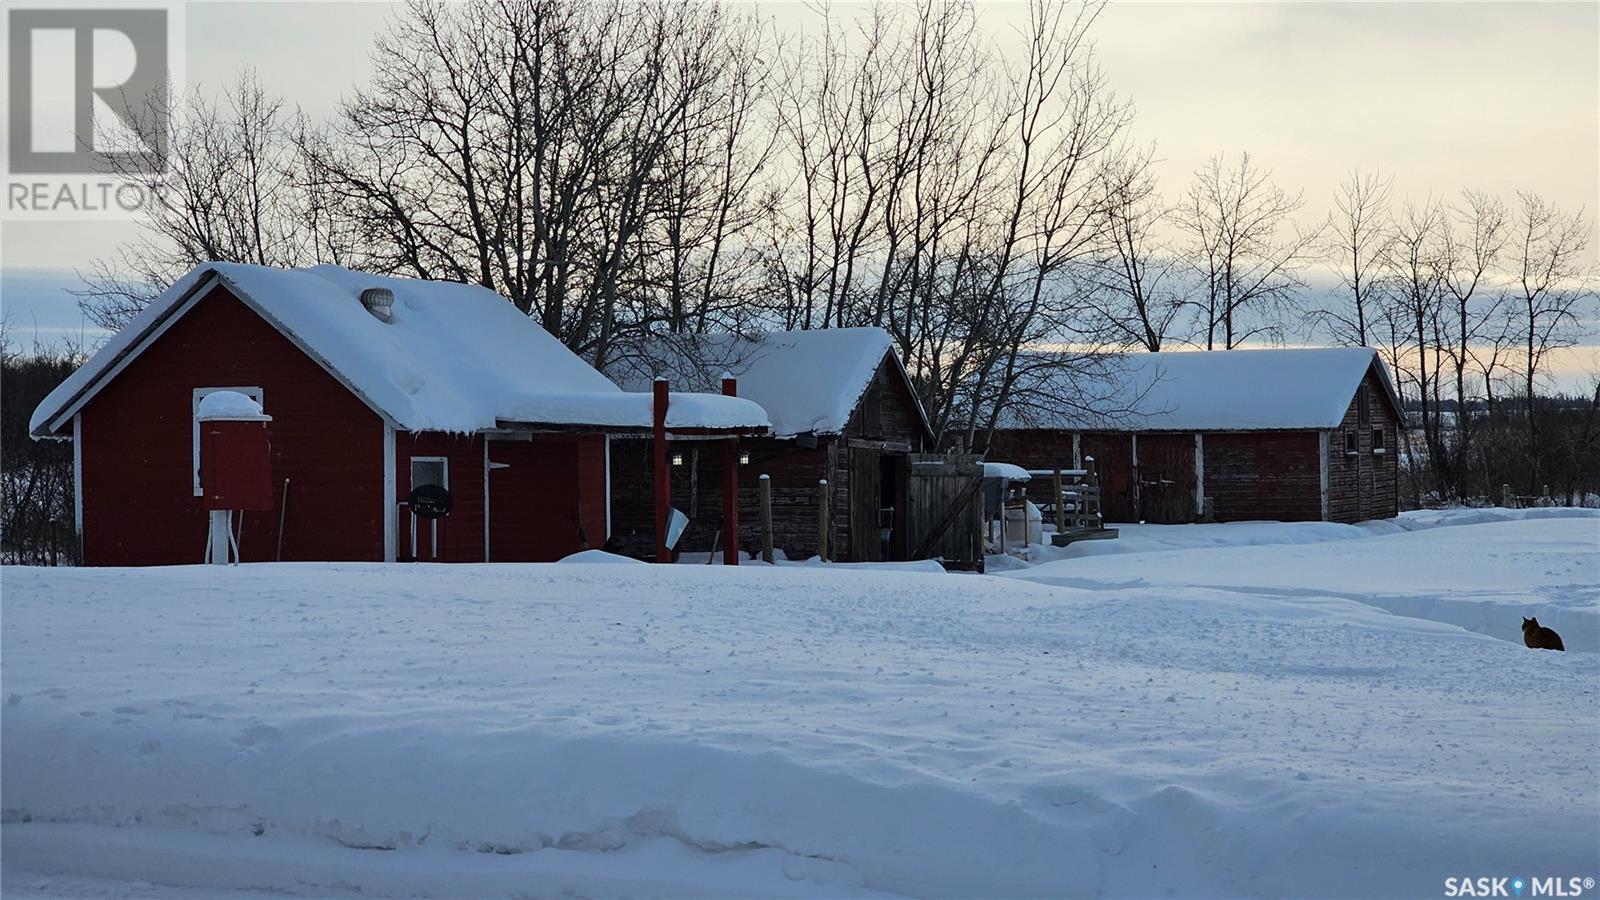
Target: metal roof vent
x,y
379,301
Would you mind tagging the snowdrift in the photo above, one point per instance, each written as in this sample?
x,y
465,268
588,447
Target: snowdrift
x,y
618,730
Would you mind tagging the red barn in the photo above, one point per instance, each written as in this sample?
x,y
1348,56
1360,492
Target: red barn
x,y
371,387
1291,435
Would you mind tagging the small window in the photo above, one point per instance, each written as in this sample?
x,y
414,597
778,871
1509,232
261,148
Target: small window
x,y
1352,443
427,470
1364,405
430,470
254,393
1377,442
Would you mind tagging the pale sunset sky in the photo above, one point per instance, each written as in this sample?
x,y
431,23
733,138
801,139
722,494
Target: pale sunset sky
x,y
1441,96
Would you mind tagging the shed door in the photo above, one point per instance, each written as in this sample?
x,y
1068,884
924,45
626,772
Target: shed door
x,y
866,494
533,500
944,500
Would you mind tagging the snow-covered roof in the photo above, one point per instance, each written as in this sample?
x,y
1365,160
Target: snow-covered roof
x,y
1221,390
453,357
807,381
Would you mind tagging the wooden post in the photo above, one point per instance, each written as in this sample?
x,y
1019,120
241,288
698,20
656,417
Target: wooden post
x,y
822,520
663,474
730,486
1061,506
1505,497
765,493
1092,479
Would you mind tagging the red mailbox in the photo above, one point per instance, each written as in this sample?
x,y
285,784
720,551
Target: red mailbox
x,y
235,457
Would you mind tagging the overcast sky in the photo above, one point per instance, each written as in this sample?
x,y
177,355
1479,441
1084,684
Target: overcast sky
x,y
1496,96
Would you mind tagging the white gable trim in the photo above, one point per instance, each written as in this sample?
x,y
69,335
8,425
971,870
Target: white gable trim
x,y
77,481
391,506
158,328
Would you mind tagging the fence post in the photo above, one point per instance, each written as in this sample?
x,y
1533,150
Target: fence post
x,y
765,495
1506,499
1061,506
822,520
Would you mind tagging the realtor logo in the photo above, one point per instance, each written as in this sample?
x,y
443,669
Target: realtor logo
x,y
77,73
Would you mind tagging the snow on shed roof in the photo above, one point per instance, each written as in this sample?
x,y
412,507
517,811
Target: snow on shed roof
x,y
807,381
453,357
1219,390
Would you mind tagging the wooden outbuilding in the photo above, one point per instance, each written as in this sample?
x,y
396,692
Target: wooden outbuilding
x,y
845,462
1289,435
404,419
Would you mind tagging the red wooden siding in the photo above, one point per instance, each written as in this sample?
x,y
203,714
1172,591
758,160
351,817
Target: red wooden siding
x,y
547,497
139,506
461,532
1264,475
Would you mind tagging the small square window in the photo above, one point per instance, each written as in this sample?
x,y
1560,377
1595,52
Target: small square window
x,y
429,470
1377,441
1352,443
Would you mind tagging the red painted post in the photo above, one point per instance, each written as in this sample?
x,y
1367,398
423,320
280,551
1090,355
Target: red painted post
x,y
662,473
730,487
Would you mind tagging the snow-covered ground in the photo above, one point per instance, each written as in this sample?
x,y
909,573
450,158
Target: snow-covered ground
x,y
1194,722
1475,573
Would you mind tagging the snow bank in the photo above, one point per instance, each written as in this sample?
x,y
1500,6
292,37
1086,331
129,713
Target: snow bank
x,y
712,731
1134,538
599,557
1482,570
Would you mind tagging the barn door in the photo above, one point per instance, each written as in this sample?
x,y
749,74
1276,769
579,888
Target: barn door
x,y
944,500
1166,478
866,499
533,500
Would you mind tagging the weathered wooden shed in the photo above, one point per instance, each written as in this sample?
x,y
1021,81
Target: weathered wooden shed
x,y
370,387
842,410
1290,435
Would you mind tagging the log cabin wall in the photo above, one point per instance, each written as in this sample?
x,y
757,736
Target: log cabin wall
x,y
1363,483
885,421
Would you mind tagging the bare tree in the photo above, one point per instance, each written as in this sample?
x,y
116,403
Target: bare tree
x,y
232,192
1416,266
1472,321
1553,279
1357,243
1130,283
1245,251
